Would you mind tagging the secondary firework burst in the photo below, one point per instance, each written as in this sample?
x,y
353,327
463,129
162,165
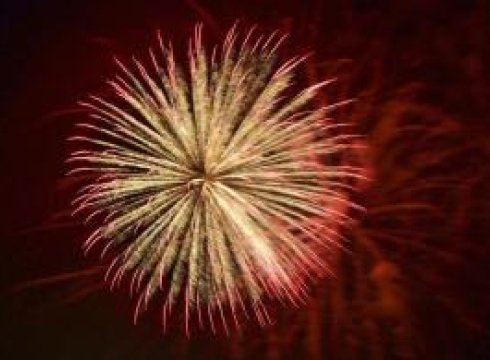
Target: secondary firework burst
x,y
214,188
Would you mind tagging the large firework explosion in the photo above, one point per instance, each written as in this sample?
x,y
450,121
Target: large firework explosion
x,y
217,188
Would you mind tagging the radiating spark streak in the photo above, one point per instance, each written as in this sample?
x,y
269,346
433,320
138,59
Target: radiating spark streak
x,y
212,185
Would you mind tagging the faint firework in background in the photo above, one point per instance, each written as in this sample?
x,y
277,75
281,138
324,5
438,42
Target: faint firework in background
x,y
215,188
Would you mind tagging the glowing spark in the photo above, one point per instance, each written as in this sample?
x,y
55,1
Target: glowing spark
x,y
218,189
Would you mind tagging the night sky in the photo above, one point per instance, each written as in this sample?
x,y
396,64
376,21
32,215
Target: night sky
x,y
414,284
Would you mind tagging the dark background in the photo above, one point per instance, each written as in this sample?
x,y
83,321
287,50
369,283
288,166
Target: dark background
x,y
415,285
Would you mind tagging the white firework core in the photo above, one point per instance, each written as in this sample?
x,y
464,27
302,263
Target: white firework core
x,y
217,189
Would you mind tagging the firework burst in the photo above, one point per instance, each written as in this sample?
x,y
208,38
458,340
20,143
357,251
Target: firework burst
x,y
217,189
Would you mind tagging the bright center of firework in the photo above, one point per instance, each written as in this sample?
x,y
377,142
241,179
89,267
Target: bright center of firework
x,y
202,180
214,183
